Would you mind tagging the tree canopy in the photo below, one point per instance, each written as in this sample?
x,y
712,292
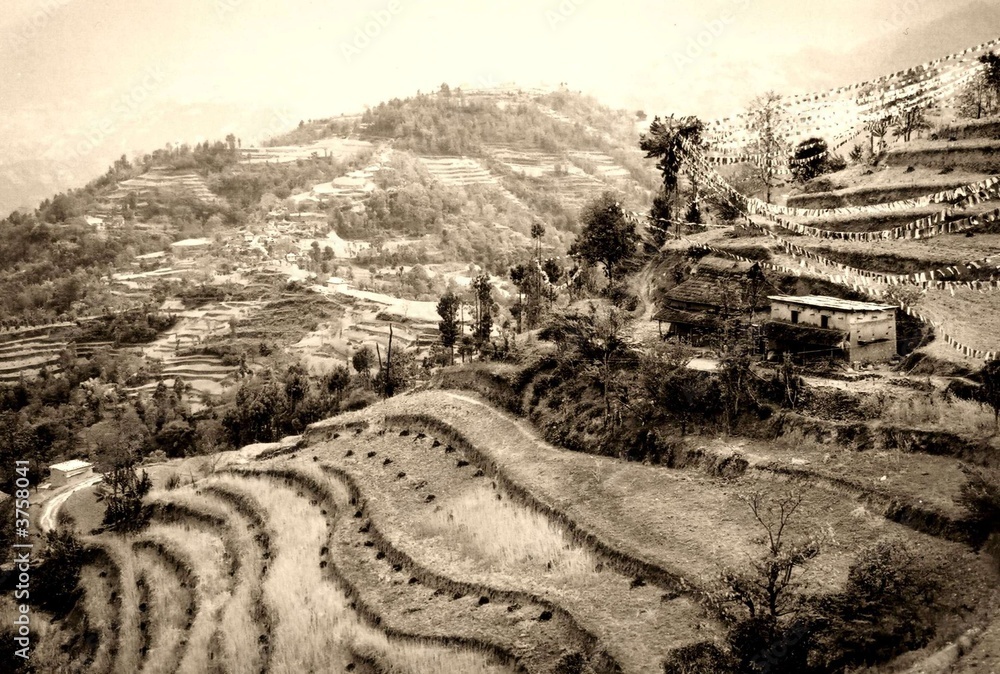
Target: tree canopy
x,y
608,237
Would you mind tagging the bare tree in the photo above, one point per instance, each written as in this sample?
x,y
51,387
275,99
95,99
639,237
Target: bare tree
x,y
771,586
768,144
878,128
909,121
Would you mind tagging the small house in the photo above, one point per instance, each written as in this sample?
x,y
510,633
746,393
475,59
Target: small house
x,y
819,326
717,289
188,248
63,473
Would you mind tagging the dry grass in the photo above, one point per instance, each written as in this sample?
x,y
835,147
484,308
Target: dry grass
x,y
957,248
971,317
928,482
167,612
935,411
236,624
316,628
205,551
689,524
476,533
127,659
498,534
102,613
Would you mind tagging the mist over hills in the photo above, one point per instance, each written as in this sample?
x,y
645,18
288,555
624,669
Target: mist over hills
x,y
33,164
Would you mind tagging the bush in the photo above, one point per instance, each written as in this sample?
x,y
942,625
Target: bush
x,y
981,497
124,510
700,658
358,399
622,297
55,581
885,609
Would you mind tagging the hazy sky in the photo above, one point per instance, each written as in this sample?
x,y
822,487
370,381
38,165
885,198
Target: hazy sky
x,y
67,65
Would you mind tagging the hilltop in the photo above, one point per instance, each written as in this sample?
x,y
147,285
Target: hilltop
x,y
497,381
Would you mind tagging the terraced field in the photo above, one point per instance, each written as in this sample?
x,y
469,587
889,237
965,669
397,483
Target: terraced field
x,y
159,179
458,171
27,356
204,373
355,186
339,148
433,534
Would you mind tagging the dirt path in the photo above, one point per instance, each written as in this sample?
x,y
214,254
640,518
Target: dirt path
x,y
50,511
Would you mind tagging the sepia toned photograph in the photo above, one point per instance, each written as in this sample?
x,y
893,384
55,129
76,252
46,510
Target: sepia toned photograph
x,y
525,337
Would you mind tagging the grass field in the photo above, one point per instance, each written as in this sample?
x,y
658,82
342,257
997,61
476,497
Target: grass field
x,y
473,531
686,524
432,534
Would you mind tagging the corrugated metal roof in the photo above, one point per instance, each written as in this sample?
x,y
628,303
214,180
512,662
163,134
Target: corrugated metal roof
x,y
74,464
824,302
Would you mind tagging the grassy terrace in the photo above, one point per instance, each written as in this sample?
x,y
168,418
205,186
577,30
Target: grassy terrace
x,y
447,515
316,627
684,523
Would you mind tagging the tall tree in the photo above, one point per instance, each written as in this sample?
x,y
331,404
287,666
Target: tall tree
x,y
768,144
991,72
447,309
808,159
485,306
665,142
363,360
608,237
537,232
124,509
978,98
532,292
911,120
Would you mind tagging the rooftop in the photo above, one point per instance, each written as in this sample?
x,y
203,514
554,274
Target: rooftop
x,y
192,242
823,302
71,465
697,290
712,265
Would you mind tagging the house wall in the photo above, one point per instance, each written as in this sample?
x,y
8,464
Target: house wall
x,y
872,334
839,320
59,478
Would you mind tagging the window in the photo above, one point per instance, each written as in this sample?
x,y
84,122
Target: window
x,y
795,317
824,322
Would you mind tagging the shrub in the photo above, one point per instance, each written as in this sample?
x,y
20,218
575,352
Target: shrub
x,y
981,497
885,609
55,582
358,399
700,658
124,510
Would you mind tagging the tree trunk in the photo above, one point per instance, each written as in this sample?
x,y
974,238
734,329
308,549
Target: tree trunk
x,y
388,366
